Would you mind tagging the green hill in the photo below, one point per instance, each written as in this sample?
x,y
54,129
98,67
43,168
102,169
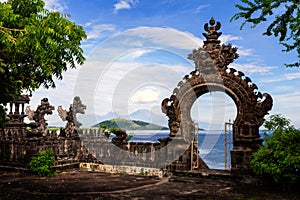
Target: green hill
x,y
129,124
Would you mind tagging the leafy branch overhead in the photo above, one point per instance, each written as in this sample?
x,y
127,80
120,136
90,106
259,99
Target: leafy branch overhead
x,y
36,46
285,24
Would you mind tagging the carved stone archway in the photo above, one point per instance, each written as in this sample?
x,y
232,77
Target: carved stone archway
x,y
212,74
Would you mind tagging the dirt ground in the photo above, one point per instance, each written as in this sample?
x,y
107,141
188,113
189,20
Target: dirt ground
x,y
94,185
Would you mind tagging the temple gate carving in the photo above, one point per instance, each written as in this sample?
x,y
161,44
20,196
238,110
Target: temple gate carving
x,y
213,74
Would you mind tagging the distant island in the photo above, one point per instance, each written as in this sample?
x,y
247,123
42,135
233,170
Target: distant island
x,y
127,124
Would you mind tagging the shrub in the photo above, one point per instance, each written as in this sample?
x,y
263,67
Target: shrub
x,y
43,164
130,136
279,157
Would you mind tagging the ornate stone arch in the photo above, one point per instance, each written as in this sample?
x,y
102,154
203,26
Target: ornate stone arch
x,y
212,74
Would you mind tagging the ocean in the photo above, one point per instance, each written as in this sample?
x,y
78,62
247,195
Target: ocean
x,y
211,145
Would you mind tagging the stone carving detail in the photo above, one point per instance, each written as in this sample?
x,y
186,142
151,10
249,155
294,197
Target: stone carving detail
x,y
212,74
68,116
78,107
40,124
18,143
73,124
17,116
213,54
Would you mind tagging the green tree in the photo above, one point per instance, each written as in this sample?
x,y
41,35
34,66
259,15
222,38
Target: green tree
x,y
43,164
36,46
277,122
285,25
279,157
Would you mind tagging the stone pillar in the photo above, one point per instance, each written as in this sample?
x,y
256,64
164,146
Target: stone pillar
x,y
246,142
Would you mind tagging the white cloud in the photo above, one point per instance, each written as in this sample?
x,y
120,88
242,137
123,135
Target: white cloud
x,y
288,105
121,5
99,30
145,96
292,76
134,54
283,77
226,38
249,69
114,79
120,85
124,4
200,8
63,95
167,37
245,52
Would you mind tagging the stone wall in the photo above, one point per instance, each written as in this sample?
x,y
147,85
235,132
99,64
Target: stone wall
x,y
17,147
20,141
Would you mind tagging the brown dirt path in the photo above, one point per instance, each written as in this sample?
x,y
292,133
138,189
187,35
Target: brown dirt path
x,y
94,185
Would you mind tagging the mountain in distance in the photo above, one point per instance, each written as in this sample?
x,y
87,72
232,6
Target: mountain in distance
x,y
144,115
162,119
127,124
148,116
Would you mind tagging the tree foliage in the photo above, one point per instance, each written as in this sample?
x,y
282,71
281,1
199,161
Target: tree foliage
x,y
36,46
279,157
43,164
286,23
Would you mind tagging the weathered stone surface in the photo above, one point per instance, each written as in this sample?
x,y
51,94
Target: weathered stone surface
x,y
73,125
39,126
20,141
212,74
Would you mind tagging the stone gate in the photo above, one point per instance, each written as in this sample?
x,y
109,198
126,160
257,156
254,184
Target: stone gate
x,y
20,141
213,74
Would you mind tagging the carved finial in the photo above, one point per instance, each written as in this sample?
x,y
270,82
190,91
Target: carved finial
x,y
212,21
213,55
212,35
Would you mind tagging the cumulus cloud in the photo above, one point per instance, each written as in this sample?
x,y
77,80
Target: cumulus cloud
x,y
124,4
145,96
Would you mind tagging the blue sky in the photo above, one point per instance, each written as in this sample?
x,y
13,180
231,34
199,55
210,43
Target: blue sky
x,y
136,54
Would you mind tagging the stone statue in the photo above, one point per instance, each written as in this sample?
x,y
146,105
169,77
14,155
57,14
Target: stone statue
x,y
70,116
78,107
40,124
